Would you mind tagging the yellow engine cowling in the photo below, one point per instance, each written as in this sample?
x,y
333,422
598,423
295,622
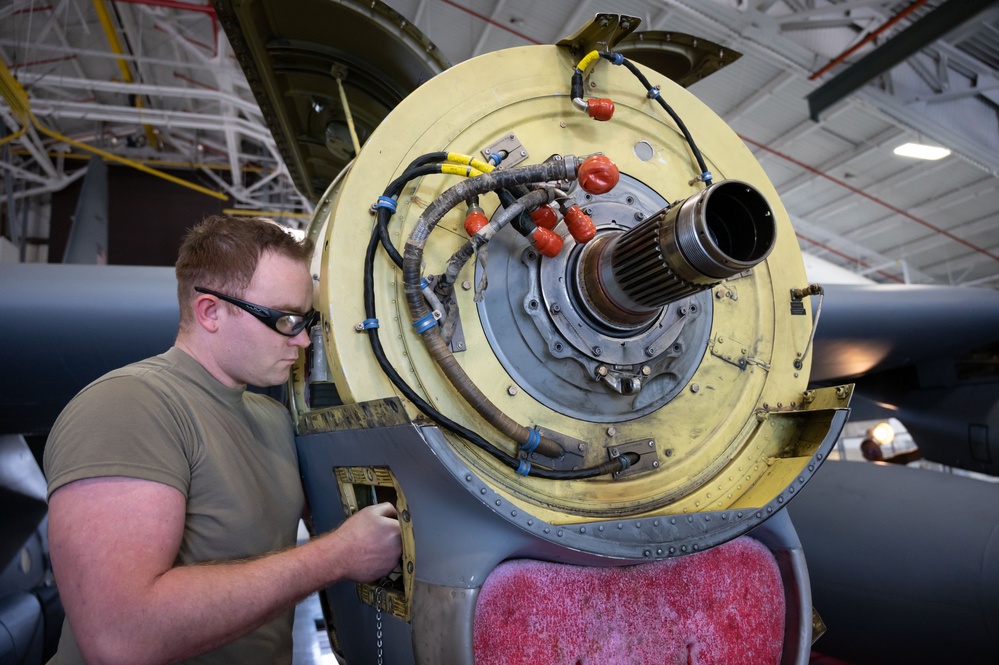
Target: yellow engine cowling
x,y
710,391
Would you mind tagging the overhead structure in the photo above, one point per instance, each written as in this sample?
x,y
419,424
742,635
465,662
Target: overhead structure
x,y
323,72
926,30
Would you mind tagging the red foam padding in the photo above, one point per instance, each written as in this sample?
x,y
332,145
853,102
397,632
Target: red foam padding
x,y
724,606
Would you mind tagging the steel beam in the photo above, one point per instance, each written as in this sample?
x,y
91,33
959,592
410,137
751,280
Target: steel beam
x,y
923,32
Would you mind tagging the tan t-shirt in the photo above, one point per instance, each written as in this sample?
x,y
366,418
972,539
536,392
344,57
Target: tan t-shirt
x,y
229,451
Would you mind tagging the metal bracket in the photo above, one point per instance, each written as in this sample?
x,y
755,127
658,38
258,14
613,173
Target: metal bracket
x,y
509,144
648,457
573,458
450,319
734,352
601,33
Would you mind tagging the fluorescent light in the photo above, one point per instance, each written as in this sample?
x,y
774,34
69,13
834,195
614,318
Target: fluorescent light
x,y
920,151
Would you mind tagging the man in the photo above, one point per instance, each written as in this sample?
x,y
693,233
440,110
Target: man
x,y
174,494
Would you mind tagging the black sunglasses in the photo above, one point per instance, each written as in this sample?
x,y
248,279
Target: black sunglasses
x,y
286,323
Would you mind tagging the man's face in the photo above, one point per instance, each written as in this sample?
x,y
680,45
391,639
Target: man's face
x,y
249,352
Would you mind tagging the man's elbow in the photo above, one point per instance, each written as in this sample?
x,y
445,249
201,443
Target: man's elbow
x,y
111,650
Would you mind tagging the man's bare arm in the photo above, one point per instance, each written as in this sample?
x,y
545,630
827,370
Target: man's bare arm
x,y
113,544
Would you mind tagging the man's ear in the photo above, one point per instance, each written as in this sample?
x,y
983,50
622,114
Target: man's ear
x,y
206,312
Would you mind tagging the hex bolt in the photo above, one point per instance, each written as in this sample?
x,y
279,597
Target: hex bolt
x,y
646,370
611,431
511,391
639,216
556,308
681,311
466,285
694,387
602,370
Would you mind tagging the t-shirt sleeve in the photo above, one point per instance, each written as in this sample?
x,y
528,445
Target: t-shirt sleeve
x,y
119,426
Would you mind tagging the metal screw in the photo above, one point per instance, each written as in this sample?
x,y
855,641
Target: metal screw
x,y
694,387
611,431
597,350
562,124
655,464
646,370
650,351
682,311
669,452
602,370
466,285
556,308
511,391
639,216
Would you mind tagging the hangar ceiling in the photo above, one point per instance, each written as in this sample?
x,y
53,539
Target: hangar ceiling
x,y
824,91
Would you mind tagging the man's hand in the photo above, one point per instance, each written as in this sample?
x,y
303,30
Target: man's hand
x,y
370,543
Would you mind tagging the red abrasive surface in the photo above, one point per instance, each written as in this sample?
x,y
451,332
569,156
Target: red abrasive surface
x,y
723,606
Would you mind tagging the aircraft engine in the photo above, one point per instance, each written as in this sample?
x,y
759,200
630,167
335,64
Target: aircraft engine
x,y
565,322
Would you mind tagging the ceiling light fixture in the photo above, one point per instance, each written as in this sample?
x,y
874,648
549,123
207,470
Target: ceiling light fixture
x,y
920,151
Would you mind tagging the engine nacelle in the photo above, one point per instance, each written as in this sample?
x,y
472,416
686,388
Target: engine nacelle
x,y
637,396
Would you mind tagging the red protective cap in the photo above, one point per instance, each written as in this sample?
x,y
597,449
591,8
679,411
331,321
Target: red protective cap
x,y
598,175
545,216
546,241
600,109
475,219
580,225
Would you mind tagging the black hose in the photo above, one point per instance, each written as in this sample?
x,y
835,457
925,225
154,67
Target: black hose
x,y
522,223
423,165
617,58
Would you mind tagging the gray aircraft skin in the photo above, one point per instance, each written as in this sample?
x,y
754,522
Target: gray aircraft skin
x,y
925,353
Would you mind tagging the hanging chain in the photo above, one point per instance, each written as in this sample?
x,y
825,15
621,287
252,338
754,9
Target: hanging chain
x,y
379,595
